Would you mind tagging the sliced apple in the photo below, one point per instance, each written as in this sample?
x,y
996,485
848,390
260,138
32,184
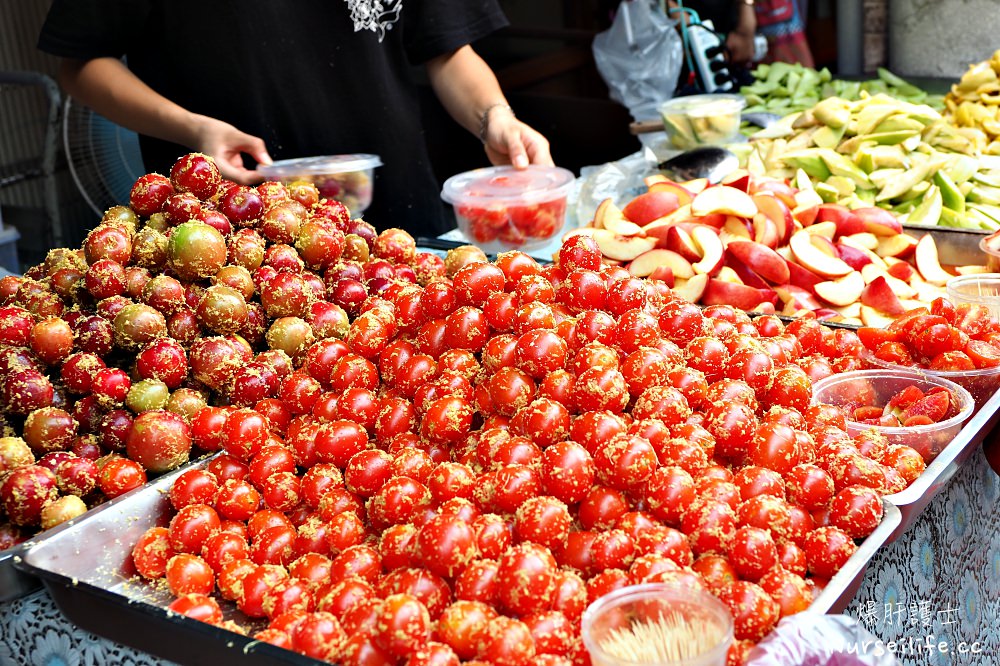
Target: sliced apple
x,y
844,291
609,216
796,298
778,212
899,246
716,220
682,213
844,220
723,199
827,230
727,274
664,274
735,229
740,179
879,221
711,249
972,270
926,258
802,277
680,241
813,259
872,317
879,295
853,257
902,271
760,259
622,248
805,215
695,185
691,289
746,276
766,307
684,195
720,292
650,206
825,245
646,264
765,231
862,241
852,311
779,188
654,178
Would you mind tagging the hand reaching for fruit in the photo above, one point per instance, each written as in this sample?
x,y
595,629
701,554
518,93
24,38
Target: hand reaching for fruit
x,y
509,141
226,145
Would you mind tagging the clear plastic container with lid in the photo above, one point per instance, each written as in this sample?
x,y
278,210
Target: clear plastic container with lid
x,y
702,120
346,178
502,208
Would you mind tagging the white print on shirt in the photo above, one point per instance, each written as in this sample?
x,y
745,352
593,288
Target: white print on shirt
x,y
375,15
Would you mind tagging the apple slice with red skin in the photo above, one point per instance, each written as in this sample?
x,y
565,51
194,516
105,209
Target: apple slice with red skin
x,y
765,231
719,292
716,220
740,179
844,219
900,246
723,199
736,228
664,274
901,271
796,298
746,276
879,295
825,245
852,256
696,185
879,221
684,196
692,289
812,258
779,188
827,230
778,212
655,178
711,249
680,241
873,318
650,206
925,255
727,274
646,264
760,259
862,241
622,248
805,215
844,291
609,216
803,277
682,214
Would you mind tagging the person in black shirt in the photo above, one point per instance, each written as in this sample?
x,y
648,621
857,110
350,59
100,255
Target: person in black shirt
x,y
292,79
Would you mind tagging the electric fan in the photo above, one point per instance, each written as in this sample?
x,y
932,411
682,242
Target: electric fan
x,y
103,157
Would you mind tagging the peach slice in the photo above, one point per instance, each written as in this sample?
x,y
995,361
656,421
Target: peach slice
x,y
879,221
844,291
680,241
900,246
813,259
796,298
609,216
735,228
779,188
681,214
746,276
684,196
879,295
845,221
646,264
664,274
902,271
723,199
622,248
761,259
802,277
765,231
719,292
853,257
650,206
872,317
740,179
824,245
692,289
926,258
711,249
778,212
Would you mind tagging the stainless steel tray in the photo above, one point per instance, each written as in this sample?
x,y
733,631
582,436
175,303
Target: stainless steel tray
x,y
87,568
956,247
840,591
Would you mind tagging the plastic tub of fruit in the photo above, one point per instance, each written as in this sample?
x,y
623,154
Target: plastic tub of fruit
x,y
884,400
978,289
502,208
981,383
346,178
702,120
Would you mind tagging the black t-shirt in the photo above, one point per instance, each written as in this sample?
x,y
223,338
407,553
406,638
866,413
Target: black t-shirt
x,y
310,77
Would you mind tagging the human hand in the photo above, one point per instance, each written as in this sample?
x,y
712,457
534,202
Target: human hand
x,y
226,145
739,43
509,141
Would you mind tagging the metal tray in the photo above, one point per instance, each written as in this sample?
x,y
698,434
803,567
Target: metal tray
x,y
87,569
912,501
956,247
840,591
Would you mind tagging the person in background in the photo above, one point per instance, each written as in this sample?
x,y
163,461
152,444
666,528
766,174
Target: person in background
x,y
784,27
272,80
735,19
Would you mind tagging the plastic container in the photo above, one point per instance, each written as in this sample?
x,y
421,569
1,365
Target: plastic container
x,y
991,247
979,289
346,178
502,208
982,383
861,388
702,120
630,608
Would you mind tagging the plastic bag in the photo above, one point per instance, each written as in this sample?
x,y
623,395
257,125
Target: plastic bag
x,y
639,57
812,639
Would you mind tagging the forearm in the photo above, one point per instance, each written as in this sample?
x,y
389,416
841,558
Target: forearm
x,y
111,89
466,86
746,22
